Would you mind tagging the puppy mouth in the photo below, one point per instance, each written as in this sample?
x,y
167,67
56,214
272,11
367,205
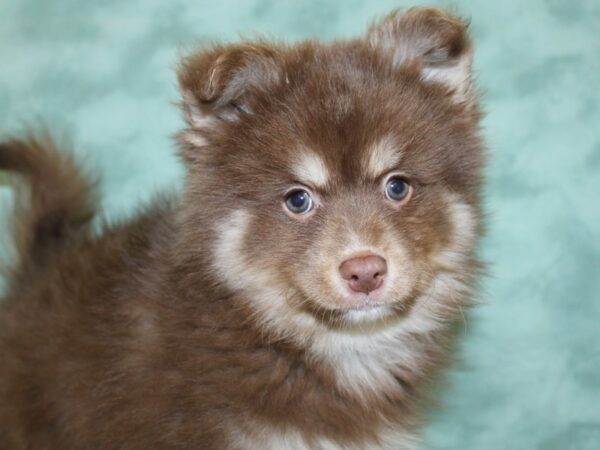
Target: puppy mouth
x,y
354,304
347,305
367,304
355,301
374,307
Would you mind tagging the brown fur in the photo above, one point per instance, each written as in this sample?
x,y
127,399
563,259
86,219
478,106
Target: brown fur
x,y
133,339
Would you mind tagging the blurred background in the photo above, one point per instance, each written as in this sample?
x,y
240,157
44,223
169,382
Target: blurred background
x,y
101,74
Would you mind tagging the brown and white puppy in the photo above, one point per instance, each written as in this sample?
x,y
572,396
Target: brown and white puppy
x,y
302,291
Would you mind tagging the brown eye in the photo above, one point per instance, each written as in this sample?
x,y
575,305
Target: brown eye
x,y
397,189
299,202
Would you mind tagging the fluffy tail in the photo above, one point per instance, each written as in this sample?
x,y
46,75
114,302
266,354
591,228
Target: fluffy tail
x,y
57,205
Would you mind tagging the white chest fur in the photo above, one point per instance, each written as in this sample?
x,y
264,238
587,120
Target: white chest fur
x,y
268,438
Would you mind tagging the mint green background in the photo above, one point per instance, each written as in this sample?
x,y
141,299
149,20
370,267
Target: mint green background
x,y
101,72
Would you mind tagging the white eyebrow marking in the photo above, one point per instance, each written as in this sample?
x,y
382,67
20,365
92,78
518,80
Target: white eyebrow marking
x,y
311,169
383,156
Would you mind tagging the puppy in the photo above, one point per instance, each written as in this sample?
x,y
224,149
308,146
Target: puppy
x,y
300,293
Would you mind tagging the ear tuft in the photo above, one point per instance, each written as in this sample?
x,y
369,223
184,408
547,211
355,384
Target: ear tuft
x,y
431,40
223,82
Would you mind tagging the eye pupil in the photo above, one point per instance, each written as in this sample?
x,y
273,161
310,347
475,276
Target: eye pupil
x,y
299,202
396,189
298,199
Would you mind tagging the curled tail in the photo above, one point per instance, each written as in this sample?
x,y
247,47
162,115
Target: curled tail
x,y
57,205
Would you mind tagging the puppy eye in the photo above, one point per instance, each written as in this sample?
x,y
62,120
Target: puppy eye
x,y
299,202
397,189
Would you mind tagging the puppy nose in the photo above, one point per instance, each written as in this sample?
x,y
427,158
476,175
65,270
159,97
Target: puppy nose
x,y
364,273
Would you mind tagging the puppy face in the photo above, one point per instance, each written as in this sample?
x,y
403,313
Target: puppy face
x,y
341,180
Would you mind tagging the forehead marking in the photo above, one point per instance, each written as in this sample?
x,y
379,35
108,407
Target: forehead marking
x,y
310,169
382,156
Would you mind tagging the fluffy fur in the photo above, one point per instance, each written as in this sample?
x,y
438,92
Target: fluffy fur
x,y
217,319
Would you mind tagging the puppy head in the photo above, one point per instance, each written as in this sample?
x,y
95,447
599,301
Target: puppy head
x,y
339,183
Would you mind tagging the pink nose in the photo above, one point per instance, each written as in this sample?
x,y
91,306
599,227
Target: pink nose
x,y
364,273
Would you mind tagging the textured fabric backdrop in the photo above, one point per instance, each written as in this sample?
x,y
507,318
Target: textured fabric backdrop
x,y
101,73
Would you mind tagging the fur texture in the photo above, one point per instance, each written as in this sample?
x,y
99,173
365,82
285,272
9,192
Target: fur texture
x,y
218,319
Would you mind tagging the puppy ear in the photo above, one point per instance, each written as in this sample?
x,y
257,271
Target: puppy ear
x,y
433,42
222,83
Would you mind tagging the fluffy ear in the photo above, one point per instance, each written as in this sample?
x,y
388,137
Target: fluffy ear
x,y
222,83
434,42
